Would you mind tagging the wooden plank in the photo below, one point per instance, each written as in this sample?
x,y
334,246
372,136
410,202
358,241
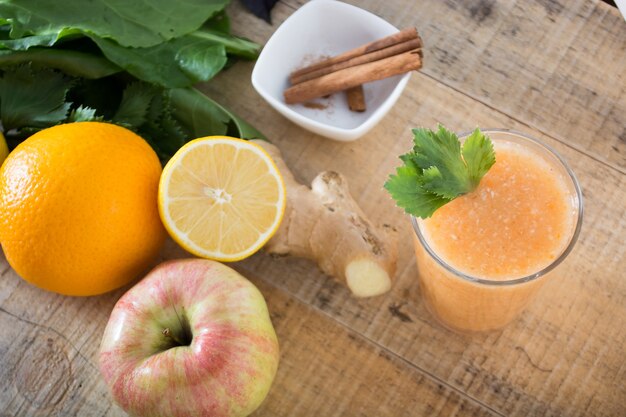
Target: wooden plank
x,y
564,356
386,356
575,331
328,370
49,350
558,66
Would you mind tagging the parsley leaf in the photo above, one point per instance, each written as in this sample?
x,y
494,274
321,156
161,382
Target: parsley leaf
x,y
406,187
83,114
438,170
478,155
161,128
33,98
133,109
439,154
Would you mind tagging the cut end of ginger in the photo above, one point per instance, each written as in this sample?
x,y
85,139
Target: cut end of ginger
x,y
366,278
324,223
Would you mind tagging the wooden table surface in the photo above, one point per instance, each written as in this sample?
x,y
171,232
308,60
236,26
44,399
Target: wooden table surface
x,y
553,69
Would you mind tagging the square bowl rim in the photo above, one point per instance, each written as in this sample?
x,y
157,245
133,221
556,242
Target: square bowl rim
x,y
309,122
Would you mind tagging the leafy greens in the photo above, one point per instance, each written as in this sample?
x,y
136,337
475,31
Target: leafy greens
x,y
129,23
439,169
33,99
128,63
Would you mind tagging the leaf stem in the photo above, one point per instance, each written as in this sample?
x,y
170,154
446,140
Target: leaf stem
x,y
234,45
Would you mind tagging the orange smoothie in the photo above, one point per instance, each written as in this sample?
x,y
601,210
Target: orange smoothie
x,y
495,244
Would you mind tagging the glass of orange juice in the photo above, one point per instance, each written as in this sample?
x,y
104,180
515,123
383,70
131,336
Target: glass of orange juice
x,y
482,257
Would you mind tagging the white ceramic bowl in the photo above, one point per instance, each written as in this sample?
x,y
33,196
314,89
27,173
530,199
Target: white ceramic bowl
x,y
317,29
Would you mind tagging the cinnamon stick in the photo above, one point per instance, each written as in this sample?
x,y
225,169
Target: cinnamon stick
x,y
353,76
402,36
356,98
396,49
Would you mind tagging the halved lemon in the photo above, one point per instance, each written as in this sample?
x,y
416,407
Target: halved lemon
x,y
221,198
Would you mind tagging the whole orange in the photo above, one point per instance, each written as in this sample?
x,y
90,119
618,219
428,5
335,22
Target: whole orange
x,y
78,208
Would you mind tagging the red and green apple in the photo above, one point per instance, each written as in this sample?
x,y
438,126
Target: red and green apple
x,y
192,339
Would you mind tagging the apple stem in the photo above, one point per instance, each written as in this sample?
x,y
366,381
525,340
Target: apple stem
x,y
167,333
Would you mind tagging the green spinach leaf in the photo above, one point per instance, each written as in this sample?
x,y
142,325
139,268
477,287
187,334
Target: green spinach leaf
x,y
133,24
78,64
201,116
179,62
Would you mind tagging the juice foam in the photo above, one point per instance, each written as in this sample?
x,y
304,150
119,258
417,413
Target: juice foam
x,y
517,222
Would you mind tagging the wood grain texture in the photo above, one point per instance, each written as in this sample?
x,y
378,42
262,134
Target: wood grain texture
x,y
574,332
51,369
327,369
48,349
557,65
386,356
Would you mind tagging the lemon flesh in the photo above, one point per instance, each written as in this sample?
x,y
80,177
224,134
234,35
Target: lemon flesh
x,y
221,198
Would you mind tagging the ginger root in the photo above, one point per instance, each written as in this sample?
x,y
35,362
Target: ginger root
x,y
325,224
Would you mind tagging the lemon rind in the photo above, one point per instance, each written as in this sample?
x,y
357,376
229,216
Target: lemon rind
x,y
179,236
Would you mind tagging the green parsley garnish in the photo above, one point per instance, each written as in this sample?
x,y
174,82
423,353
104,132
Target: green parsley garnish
x,y
439,169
